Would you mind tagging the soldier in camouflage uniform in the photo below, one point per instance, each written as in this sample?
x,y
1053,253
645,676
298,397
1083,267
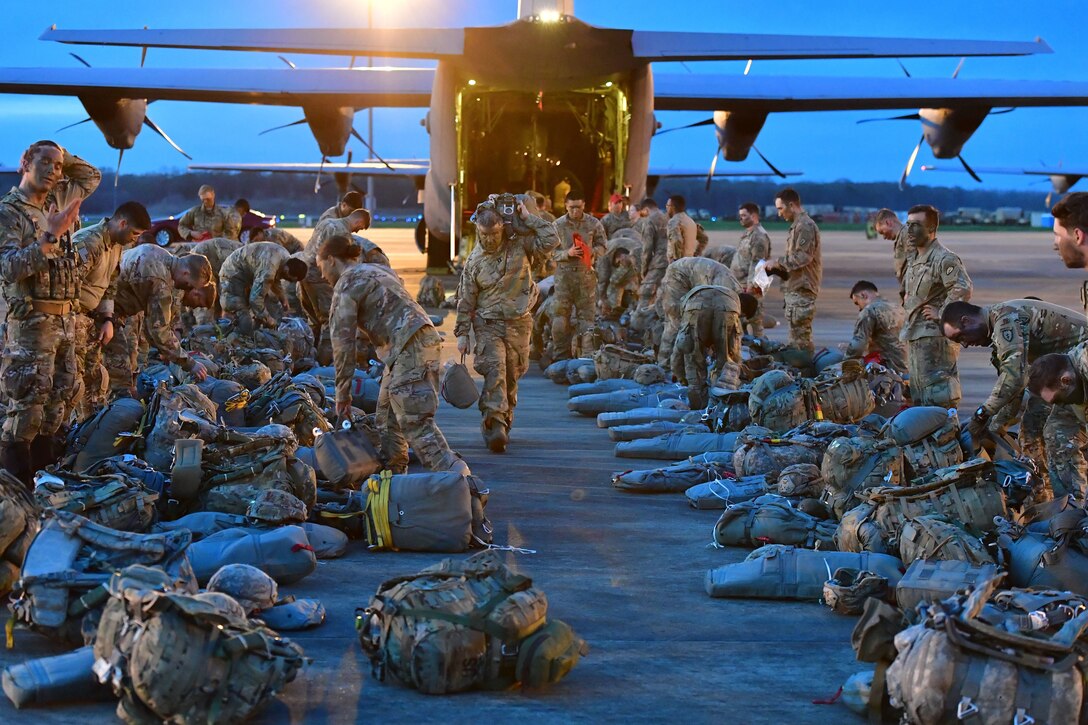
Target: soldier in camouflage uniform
x,y
495,296
40,287
348,203
681,231
98,254
581,241
804,266
617,217
216,249
205,220
681,277
251,275
754,247
371,298
709,325
1020,332
877,329
282,237
621,287
237,214
934,277
655,249
145,288
887,225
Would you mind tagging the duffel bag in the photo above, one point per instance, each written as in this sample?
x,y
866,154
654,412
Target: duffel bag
x,y
671,479
100,436
622,433
858,531
777,401
346,457
622,400
787,572
113,500
677,446
1036,559
772,519
935,538
616,361
230,398
283,553
601,386
59,679
638,416
720,493
758,455
934,581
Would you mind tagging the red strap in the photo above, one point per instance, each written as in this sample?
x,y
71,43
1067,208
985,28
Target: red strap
x,y
830,700
301,547
874,357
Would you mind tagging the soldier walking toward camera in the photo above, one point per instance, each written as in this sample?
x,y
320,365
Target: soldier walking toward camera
x,y
494,301
754,247
40,287
877,330
804,267
934,277
581,240
250,277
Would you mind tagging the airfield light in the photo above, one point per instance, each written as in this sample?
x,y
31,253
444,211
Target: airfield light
x,y
549,16
608,84
472,81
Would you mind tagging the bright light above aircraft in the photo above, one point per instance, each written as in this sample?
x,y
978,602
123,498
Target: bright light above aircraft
x,y
471,81
549,16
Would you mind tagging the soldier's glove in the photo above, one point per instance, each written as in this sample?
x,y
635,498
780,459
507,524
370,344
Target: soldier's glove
x,y
976,427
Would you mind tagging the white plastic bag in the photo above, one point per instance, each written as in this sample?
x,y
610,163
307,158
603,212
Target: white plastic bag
x,y
760,278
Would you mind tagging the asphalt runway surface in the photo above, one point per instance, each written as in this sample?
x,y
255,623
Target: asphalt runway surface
x,y
626,571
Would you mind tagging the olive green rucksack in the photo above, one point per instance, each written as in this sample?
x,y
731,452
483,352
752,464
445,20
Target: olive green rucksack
x,y
852,465
461,625
842,391
616,361
777,401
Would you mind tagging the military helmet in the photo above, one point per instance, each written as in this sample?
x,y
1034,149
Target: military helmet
x,y
249,586
648,374
226,604
280,432
274,506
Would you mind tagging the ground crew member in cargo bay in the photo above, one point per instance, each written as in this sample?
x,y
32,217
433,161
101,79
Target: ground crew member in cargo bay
x,y
250,276
371,298
40,287
1019,332
494,301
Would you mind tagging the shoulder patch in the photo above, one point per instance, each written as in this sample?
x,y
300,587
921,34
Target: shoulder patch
x,y
1007,334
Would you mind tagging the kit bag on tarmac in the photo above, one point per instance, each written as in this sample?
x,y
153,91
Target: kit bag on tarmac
x,y
100,436
616,361
772,519
621,433
283,553
601,386
114,500
842,392
859,531
20,518
801,480
188,658
928,437
720,493
1050,553
346,457
933,581
173,413
281,400
676,478
728,410
622,400
787,572
64,678
759,451
237,467
853,465
777,401
638,416
230,399
457,386
936,538
469,624
677,446
969,661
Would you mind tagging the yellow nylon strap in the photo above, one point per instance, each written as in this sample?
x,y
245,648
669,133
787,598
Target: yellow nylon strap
x,y
9,632
377,506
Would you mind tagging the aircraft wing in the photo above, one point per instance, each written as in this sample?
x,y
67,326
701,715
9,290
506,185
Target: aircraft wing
x,y
359,87
1039,171
705,92
404,167
670,172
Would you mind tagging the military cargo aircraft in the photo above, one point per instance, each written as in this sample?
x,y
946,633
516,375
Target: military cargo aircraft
x,y
1061,179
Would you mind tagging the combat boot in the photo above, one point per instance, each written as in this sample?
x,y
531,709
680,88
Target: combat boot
x,y
15,457
495,437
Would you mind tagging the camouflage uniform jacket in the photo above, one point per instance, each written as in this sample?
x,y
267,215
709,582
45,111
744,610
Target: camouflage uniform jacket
x,y
323,232
655,240
499,285
254,267
284,238
216,250
234,224
877,330
367,297
934,277
591,231
98,264
901,253
146,284
612,223
333,212
691,272
802,258
754,246
681,233
372,253
198,219
1021,331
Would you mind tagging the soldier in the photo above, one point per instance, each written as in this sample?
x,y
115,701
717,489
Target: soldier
x,y
237,214
98,255
681,277
41,291
617,217
934,277
1020,332
494,300
1071,234
542,205
145,287
887,225
803,267
876,332
709,325
251,275
370,298
681,230
655,250
581,240
621,287
282,237
348,203
754,247
216,249
205,220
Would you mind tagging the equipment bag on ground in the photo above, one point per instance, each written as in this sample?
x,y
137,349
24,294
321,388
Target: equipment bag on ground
x,y
677,446
720,493
284,553
346,457
616,361
457,386
623,400
931,581
786,572
772,519
639,416
113,500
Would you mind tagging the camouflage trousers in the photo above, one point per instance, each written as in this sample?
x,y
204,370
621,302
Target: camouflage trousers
x,y
1055,438
502,357
754,325
38,375
94,391
121,356
690,354
934,375
407,401
647,291
575,291
315,294
800,310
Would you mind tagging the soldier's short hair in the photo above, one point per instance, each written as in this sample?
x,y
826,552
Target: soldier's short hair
x,y
364,214
37,146
296,269
135,214
678,202
884,215
576,194
647,203
953,311
242,205
199,268
353,199
933,217
1047,371
751,207
203,296
788,195
340,246
863,285
204,189
749,305
1071,211
487,218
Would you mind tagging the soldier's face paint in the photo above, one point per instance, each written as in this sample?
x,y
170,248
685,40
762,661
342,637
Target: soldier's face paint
x,y
746,219
45,169
490,238
917,232
1070,246
576,209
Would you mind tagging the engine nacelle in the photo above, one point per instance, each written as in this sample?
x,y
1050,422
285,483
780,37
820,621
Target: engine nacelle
x,y
737,132
1063,182
331,127
946,130
120,120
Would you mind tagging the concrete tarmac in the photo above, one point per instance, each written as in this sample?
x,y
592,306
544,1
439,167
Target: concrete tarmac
x,y
626,571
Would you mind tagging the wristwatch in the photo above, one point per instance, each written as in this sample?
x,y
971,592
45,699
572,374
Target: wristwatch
x,y
49,238
981,415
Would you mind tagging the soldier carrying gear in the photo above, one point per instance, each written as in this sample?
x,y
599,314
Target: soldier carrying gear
x,y
803,267
495,299
876,332
40,287
205,220
654,226
709,325
754,247
581,240
370,298
250,276
1020,332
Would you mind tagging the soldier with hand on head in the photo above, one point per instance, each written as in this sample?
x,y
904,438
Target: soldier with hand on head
x,y
40,286
876,332
495,299
581,241
804,268
252,275
370,298
1019,333
887,225
754,247
205,220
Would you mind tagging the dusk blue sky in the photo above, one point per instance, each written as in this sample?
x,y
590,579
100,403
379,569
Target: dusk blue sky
x,y
826,146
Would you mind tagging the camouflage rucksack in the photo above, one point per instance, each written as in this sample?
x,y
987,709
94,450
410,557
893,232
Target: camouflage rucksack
x,y
777,401
843,392
937,538
461,625
180,412
929,437
237,467
112,499
854,464
19,522
431,292
771,519
616,361
280,400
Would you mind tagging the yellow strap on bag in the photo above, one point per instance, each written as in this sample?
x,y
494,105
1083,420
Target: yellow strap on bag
x,y
379,533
